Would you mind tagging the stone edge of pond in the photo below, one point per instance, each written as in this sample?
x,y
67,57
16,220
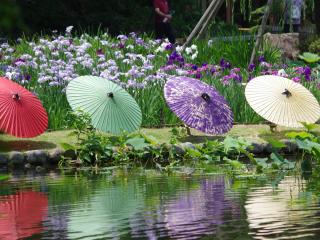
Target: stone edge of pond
x,y
53,156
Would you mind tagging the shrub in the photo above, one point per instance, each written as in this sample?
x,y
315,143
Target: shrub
x,y
315,46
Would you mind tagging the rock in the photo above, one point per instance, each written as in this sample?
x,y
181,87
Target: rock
x,y
178,149
55,155
267,148
16,158
288,43
36,156
187,145
71,154
257,148
3,159
27,165
291,147
39,169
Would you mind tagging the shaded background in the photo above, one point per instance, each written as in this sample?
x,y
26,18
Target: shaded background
x,y
28,17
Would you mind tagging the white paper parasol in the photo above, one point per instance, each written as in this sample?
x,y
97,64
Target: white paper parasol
x,y
282,101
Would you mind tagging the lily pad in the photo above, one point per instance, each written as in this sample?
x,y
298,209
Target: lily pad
x,y
310,57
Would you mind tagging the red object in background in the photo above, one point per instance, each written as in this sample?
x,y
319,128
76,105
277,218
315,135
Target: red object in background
x,y
21,214
163,7
21,112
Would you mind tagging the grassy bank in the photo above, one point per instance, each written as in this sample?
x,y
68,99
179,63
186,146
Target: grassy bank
x,y
49,140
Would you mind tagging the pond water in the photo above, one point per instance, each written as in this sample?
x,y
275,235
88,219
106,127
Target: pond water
x,y
86,206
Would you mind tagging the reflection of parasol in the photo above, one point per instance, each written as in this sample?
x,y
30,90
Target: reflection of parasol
x,y
107,214
282,101
111,108
21,112
21,215
198,105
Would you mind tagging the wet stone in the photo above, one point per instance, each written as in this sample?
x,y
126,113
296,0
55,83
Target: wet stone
x,y
187,145
55,155
16,158
267,148
178,149
257,148
291,147
36,156
3,159
39,169
71,154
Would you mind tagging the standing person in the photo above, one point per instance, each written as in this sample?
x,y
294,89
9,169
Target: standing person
x,y
292,15
163,17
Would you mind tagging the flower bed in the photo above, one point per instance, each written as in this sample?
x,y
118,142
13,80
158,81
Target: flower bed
x,y
141,65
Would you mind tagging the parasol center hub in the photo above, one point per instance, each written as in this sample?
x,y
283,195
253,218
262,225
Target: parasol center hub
x,y
287,93
110,94
16,96
205,97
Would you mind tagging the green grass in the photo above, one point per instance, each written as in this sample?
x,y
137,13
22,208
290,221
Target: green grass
x,y
256,133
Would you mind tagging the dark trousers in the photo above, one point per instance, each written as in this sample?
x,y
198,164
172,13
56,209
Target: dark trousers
x,y
164,30
294,26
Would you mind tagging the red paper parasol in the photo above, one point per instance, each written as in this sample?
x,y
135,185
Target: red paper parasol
x,y
21,214
21,112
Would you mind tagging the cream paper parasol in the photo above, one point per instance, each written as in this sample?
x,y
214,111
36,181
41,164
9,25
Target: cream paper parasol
x,y
282,101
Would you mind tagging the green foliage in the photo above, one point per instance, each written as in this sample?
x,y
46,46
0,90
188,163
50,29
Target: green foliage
x,y
310,57
4,177
137,143
239,146
314,47
309,144
276,144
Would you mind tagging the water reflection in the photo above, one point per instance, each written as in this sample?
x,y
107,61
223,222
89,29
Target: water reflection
x,y
107,213
22,214
98,207
190,214
284,211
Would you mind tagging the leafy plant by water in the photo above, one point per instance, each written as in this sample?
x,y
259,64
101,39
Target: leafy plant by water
x,y
309,144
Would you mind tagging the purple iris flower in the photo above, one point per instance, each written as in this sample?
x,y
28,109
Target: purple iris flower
x,y
18,61
225,64
296,79
261,59
100,52
251,67
198,75
175,58
194,67
139,41
307,73
27,77
236,77
169,46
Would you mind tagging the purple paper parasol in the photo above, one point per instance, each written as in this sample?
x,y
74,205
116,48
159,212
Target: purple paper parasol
x,y
198,105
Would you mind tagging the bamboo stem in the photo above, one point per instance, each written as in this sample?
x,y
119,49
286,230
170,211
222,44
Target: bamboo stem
x,y
261,31
212,15
199,24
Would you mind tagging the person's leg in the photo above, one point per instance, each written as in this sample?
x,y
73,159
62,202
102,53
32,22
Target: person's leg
x,y
159,30
286,28
296,27
169,33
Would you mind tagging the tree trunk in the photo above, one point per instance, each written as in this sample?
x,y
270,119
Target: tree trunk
x,y
229,11
317,14
203,5
261,31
